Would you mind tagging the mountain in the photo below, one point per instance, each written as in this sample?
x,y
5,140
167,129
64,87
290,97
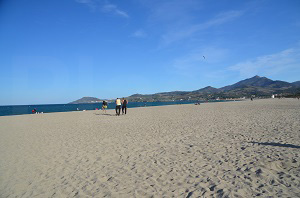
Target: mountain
x,y
207,89
297,83
258,86
173,93
258,81
86,100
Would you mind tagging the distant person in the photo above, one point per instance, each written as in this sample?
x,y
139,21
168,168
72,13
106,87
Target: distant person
x,y
34,111
118,106
124,106
104,106
251,98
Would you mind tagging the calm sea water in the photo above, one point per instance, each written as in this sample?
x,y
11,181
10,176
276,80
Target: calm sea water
x,y
27,109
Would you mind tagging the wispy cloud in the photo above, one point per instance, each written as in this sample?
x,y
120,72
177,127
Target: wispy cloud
x,y
111,8
104,7
171,10
89,3
223,17
190,30
139,34
272,64
83,1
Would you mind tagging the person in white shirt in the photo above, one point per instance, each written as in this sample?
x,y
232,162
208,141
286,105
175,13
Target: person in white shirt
x,y
118,106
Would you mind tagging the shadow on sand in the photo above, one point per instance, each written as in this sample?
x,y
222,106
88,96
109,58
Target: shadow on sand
x,y
276,144
105,114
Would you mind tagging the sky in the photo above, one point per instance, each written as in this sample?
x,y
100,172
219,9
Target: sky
x,y
54,52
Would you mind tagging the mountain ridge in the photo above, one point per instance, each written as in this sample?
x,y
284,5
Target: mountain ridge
x,y
256,85
296,83
86,99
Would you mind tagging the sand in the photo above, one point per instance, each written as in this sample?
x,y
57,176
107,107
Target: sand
x,y
231,149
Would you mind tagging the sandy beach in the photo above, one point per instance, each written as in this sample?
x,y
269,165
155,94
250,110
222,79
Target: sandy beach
x,y
229,149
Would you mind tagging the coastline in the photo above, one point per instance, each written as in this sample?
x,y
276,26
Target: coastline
x,y
230,149
11,110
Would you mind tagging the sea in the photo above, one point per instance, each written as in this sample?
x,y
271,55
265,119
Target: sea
x,y
51,108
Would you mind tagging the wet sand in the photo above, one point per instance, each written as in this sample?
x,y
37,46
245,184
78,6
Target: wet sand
x,y
229,149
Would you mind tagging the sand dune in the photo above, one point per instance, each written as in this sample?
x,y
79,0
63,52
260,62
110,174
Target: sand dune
x,y
232,149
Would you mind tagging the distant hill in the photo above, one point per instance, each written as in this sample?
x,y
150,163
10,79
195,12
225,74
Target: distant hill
x,y
257,81
86,100
297,83
208,89
258,86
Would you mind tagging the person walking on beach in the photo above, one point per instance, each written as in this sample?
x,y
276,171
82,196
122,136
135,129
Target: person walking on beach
x,y
34,111
118,106
124,106
104,106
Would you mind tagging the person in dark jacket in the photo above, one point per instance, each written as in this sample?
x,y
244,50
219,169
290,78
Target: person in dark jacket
x,y
124,106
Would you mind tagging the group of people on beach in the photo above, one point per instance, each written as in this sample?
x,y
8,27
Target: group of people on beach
x,y
119,104
34,111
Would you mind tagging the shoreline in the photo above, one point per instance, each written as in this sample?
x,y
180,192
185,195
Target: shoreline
x,y
215,101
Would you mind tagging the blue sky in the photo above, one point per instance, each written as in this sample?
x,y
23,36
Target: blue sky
x,y
60,50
